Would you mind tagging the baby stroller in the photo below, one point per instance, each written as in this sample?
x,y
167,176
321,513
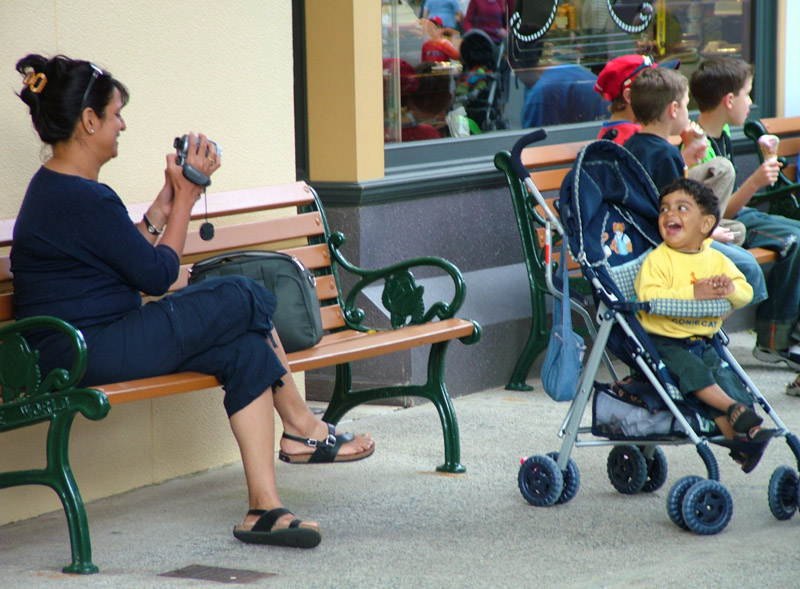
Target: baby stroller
x,y
607,191
481,88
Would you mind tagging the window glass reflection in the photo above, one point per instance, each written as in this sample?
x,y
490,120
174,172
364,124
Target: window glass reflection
x,y
455,68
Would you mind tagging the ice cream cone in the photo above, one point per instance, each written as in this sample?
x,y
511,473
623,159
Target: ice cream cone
x,y
769,146
693,132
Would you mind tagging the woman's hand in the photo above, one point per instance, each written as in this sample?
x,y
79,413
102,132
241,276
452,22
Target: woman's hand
x,y
160,210
202,156
172,208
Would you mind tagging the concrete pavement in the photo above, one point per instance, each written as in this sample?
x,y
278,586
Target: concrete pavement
x,y
391,521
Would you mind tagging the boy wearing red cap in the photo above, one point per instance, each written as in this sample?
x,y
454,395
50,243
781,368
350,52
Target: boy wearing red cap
x,y
614,83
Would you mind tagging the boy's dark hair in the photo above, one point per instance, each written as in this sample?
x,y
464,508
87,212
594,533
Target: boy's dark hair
x,y
716,78
653,90
618,104
702,195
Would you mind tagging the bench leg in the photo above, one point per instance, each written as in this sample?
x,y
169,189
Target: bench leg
x,y
58,476
344,398
537,341
64,484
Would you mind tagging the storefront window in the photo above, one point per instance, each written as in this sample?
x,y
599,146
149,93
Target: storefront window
x,y
469,70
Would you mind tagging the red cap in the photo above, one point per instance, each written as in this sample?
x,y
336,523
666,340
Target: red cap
x,y
437,20
620,72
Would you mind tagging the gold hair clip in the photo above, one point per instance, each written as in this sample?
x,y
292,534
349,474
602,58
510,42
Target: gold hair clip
x,y
36,82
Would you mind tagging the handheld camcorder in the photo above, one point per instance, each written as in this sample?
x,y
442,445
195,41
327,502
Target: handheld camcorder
x,y
191,173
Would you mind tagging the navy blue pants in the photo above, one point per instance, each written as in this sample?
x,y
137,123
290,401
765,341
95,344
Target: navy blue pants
x,y
218,326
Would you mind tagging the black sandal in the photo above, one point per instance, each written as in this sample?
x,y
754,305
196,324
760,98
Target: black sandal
x,y
745,420
262,532
747,450
327,450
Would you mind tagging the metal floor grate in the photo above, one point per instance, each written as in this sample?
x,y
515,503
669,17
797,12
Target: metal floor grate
x,y
217,574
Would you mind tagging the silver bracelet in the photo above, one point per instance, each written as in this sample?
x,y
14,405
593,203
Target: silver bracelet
x,y
151,229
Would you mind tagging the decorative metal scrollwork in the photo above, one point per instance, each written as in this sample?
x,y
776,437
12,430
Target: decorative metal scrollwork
x,y
402,297
19,369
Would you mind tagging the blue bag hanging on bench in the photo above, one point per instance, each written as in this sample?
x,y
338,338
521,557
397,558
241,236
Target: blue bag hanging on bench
x,y
563,361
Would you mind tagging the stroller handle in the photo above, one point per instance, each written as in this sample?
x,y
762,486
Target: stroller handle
x,y
516,151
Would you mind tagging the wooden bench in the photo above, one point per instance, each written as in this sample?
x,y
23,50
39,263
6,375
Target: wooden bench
x,y
29,397
780,197
548,165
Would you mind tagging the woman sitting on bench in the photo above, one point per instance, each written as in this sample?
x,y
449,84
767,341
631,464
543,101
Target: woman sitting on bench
x,y
78,256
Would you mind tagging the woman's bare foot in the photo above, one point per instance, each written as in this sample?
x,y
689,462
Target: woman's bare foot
x,y
350,446
281,523
278,527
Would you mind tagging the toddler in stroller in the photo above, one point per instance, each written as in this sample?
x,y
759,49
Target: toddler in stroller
x,y
608,193
684,267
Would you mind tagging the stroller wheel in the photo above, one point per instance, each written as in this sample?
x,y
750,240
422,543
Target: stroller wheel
x,y
783,492
540,481
707,507
627,469
572,479
675,499
656,471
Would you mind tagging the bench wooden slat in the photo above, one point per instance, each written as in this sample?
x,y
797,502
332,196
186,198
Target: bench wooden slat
x,y
789,146
5,269
326,287
247,200
332,317
6,306
342,347
782,125
336,348
549,179
544,156
762,255
243,235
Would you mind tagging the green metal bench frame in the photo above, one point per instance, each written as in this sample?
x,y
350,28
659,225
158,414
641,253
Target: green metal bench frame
x,y
528,219
28,399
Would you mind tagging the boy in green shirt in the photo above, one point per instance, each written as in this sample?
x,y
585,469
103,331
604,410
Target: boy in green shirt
x,y
721,87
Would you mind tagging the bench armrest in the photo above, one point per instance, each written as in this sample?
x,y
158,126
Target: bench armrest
x,y
20,375
402,296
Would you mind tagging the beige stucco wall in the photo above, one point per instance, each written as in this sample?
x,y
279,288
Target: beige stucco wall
x,y
223,68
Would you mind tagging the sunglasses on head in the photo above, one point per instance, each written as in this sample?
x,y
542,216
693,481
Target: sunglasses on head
x,y
96,73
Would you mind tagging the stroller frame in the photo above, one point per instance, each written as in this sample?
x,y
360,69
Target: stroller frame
x,y
702,505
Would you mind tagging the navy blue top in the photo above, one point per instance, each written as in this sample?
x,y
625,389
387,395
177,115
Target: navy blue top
x,y
78,256
661,159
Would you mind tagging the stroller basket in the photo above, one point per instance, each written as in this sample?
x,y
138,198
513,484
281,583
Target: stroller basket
x,y
608,212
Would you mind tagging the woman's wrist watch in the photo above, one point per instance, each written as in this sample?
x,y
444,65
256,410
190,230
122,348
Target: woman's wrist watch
x,y
151,229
